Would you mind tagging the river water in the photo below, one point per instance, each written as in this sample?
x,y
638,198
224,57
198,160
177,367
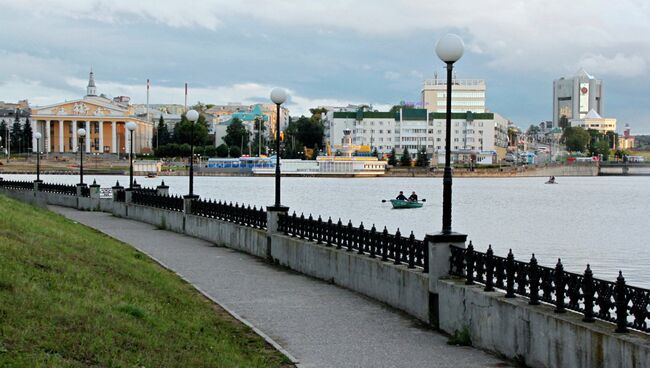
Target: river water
x,y
602,221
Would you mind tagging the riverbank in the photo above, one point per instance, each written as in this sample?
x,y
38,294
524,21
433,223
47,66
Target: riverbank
x,y
73,297
492,172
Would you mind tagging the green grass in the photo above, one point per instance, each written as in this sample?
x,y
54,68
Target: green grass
x,y
72,297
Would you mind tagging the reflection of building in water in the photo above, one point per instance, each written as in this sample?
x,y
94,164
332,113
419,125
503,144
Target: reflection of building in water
x,y
574,97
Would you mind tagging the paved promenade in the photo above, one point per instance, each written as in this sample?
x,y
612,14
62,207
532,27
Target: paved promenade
x,y
320,324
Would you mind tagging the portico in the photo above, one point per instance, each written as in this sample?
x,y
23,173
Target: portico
x,y
103,119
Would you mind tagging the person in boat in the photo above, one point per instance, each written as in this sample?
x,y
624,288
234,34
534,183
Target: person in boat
x,y
551,179
401,196
413,197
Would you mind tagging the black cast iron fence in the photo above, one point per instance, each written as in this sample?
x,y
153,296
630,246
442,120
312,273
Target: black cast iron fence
x,y
243,215
173,203
58,188
626,306
390,247
17,184
85,191
120,196
145,190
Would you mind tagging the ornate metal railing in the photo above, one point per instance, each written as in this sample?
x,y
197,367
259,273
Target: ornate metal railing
x,y
389,247
627,306
120,196
85,191
239,214
57,188
17,184
173,203
150,191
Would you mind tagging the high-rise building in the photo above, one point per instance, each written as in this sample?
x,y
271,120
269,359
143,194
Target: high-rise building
x,y
574,97
467,95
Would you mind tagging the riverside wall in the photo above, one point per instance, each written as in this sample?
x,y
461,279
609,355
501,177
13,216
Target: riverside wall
x,y
533,335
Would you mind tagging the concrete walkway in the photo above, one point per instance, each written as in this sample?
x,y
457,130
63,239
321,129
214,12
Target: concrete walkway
x,y
320,324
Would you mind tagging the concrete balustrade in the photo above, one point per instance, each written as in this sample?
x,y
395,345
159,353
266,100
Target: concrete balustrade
x,y
532,334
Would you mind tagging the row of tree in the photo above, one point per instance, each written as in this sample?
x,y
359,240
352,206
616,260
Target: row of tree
x,y
19,134
422,160
591,142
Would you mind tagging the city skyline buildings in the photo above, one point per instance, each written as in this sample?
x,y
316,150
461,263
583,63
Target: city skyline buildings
x,y
381,64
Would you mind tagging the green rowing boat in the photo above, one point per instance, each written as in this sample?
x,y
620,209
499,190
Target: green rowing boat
x,y
397,204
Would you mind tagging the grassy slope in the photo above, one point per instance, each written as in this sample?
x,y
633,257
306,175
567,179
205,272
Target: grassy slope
x,y
72,297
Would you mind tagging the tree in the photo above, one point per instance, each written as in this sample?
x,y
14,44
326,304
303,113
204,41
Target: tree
x,y
575,139
533,130
162,136
27,135
375,153
405,160
234,151
422,159
183,131
258,136
222,150
16,136
310,131
601,147
236,134
392,160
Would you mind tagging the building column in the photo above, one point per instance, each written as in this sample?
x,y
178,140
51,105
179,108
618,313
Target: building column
x,y
75,143
47,137
61,135
87,136
114,148
34,130
101,136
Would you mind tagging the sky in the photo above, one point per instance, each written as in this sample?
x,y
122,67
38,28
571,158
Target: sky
x,y
325,52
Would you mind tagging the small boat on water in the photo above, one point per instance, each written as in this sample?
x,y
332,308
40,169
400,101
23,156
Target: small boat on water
x,y
399,204
151,175
551,182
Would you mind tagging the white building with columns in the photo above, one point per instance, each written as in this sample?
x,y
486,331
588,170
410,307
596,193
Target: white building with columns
x,y
103,119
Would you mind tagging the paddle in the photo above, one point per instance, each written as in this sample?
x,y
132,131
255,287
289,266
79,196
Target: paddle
x,y
386,200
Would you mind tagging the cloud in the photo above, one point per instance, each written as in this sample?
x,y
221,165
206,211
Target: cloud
x,y
618,65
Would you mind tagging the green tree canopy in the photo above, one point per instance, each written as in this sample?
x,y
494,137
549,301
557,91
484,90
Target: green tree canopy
x,y
392,160
259,145
183,131
406,159
27,135
575,139
162,136
309,131
422,159
16,136
236,134
234,151
222,150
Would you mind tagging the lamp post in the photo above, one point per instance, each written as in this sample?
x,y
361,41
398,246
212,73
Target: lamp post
x,y
38,136
278,96
191,116
130,126
81,133
449,49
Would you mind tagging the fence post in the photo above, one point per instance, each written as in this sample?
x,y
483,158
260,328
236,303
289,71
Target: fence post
x,y
273,214
438,247
588,291
469,263
533,275
559,287
187,203
116,188
162,189
489,269
80,188
621,304
510,275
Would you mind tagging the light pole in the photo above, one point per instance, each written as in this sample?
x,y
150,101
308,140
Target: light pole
x,y
278,96
130,126
449,49
81,133
38,136
191,116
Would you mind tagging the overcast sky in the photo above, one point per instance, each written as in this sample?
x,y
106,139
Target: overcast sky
x,y
325,52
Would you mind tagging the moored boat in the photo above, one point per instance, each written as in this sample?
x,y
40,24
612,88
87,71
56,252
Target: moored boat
x,y
399,204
